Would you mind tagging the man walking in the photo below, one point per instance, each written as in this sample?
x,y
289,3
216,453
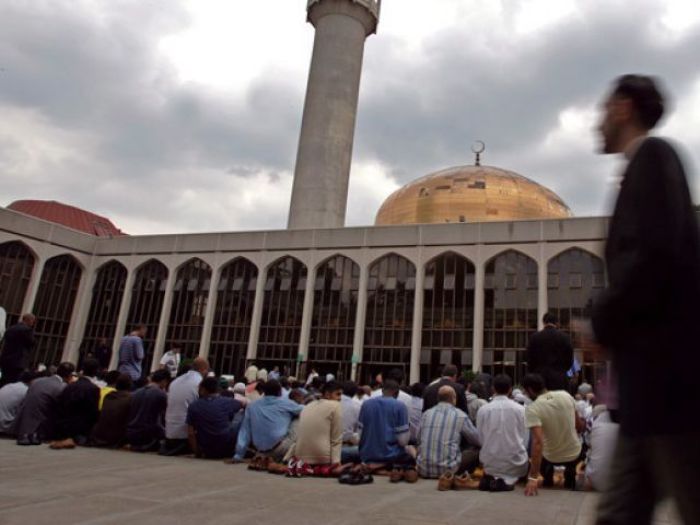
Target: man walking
x,y
131,353
647,318
550,354
18,344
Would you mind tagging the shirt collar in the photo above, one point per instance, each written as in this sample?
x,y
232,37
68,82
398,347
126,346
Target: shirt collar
x,y
633,147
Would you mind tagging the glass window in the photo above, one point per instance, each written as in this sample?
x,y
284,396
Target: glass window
x,y
16,266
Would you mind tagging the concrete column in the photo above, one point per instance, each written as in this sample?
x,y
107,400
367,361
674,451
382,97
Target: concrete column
x,y
319,194
478,341
209,314
417,332
307,314
359,336
256,317
124,307
81,309
542,298
164,320
33,288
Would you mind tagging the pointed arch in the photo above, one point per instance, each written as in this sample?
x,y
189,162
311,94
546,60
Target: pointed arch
x,y
16,266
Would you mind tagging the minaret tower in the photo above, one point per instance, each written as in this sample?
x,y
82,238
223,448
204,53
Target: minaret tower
x,y
319,195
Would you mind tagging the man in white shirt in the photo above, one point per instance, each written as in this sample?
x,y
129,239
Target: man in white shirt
x,y
350,410
171,361
11,397
503,435
603,439
183,391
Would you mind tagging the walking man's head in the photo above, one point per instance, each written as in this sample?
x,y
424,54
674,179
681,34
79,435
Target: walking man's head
x,y
29,320
634,106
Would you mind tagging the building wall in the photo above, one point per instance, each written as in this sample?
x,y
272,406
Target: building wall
x,y
479,243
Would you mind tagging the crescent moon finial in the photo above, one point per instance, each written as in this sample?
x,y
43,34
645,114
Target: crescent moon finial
x,y
478,148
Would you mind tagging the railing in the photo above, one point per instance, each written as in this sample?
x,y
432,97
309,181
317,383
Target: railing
x,y
374,6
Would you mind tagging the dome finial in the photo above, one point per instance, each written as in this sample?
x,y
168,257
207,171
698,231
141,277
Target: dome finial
x,y
478,148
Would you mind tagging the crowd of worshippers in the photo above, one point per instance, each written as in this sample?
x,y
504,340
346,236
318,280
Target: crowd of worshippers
x,y
448,430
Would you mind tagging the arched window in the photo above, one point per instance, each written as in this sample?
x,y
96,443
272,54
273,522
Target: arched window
x,y
189,307
280,327
147,297
390,296
53,307
574,279
107,296
333,324
510,312
16,265
234,309
448,314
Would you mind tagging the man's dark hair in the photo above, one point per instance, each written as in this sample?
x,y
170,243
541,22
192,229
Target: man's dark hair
x,y
417,389
65,370
138,327
646,98
284,382
123,383
390,387
331,386
160,375
111,377
549,318
395,374
210,385
534,382
272,388
502,384
349,388
91,367
450,371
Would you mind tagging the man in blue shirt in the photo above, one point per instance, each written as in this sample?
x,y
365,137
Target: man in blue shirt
x,y
268,425
211,429
384,433
131,353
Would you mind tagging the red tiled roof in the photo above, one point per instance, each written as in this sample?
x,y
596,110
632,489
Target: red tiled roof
x,y
69,216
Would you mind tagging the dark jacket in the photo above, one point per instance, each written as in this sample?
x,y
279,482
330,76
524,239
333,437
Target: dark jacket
x,y
78,409
110,430
648,317
430,396
17,347
550,354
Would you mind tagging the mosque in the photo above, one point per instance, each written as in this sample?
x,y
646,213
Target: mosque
x,y
459,267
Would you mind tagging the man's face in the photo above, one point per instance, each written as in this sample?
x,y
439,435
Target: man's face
x,y
617,115
335,395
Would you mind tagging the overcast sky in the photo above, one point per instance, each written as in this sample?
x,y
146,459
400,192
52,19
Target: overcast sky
x,y
183,115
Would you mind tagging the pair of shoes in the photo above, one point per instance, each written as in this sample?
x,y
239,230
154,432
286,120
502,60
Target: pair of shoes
x,y
499,485
255,463
410,475
446,481
277,468
396,475
465,482
356,478
24,440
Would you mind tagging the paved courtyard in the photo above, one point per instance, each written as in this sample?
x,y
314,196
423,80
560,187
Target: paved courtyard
x,y
89,486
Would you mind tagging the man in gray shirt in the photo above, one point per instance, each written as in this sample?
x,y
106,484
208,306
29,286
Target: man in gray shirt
x,y
131,353
11,397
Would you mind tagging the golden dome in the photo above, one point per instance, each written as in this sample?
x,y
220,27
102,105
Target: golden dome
x,y
471,194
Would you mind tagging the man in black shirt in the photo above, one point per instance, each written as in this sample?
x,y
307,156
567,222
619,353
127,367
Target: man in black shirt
x,y
449,377
146,423
550,354
17,347
78,409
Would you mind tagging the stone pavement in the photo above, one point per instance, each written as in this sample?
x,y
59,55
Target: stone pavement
x,y
90,486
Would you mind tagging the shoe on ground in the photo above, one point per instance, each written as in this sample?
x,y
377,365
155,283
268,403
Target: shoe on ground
x,y
35,439
465,482
276,468
396,475
24,440
499,485
446,481
410,475
485,483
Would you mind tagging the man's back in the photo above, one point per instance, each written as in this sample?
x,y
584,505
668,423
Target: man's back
x,y
320,433
39,407
382,419
17,345
11,397
555,412
182,392
131,355
110,429
78,408
504,437
550,354
430,397
147,415
211,419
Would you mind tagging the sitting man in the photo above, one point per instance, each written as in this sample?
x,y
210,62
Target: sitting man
x,y
146,423
350,409
182,393
11,397
384,434
36,418
267,425
211,429
443,428
110,430
317,450
78,409
504,438
553,422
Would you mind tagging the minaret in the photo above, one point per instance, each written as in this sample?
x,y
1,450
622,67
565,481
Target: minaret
x,y
319,195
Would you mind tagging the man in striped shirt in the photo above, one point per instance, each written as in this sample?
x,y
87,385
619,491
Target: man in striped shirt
x,y
440,455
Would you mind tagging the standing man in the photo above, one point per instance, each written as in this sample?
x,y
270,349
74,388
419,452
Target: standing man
x,y
171,362
449,378
648,317
550,354
131,353
19,341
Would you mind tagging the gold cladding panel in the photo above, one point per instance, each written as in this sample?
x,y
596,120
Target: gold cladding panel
x,y
471,194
